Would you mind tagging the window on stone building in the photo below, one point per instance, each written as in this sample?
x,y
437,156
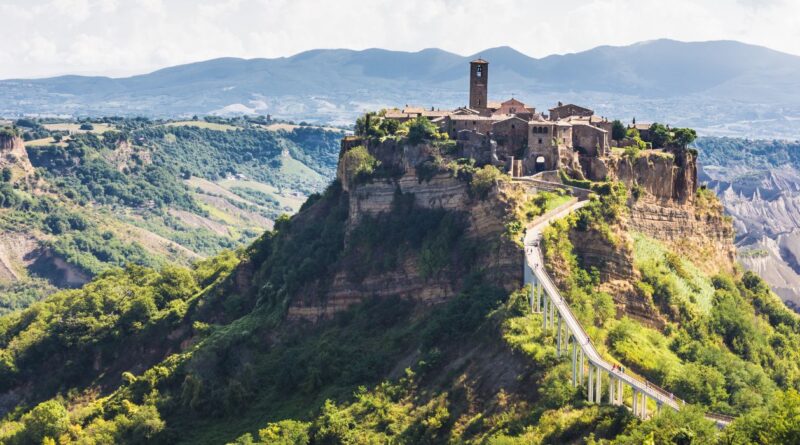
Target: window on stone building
x,y
540,140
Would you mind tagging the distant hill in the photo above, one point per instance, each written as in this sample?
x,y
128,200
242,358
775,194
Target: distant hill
x,y
723,87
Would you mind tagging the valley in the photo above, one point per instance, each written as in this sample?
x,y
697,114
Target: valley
x,y
758,182
82,197
391,308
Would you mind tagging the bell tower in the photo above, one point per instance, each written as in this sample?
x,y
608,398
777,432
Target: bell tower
x,y
478,84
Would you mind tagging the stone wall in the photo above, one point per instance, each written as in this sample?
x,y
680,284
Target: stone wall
x,y
591,139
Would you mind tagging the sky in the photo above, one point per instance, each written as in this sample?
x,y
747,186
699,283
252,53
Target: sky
x,y
41,38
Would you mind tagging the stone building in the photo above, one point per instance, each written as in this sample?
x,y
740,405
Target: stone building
x,y
512,129
511,134
564,111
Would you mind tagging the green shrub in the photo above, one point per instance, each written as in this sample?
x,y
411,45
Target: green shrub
x,y
359,164
484,180
421,129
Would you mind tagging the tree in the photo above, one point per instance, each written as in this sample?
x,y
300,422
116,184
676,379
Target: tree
x,y
358,164
659,135
48,419
6,174
285,432
484,179
617,130
87,126
684,136
390,126
421,129
368,125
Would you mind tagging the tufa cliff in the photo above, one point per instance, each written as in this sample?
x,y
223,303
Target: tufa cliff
x,y
402,184
14,157
664,203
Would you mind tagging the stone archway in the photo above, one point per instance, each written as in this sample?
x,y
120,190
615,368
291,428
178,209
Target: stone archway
x,y
541,164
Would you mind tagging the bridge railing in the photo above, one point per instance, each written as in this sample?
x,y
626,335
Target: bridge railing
x,y
540,273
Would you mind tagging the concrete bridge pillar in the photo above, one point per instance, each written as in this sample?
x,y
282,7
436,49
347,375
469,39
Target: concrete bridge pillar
x,y
611,388
590,384
580,362
620,392
598,385
574,362
552,314
644,406
558,336
544,313
635,402
532,296
539,292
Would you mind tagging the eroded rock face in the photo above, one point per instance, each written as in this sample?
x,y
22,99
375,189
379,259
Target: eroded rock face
x,y
14,156
126,156
500,260
704,237
667,210
666,176
663,205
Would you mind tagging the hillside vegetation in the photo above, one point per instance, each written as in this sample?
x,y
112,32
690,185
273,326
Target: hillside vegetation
x,y
209,354
109,192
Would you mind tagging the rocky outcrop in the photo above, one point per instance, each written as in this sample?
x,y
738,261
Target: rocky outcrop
x,y
704,237
500,260
126,156
615,263
663,204
16,253
664,175
14,157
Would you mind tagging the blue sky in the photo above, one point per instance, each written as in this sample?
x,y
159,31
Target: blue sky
x,y
122,37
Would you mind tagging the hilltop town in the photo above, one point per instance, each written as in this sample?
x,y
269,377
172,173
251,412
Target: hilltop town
x,y
523,141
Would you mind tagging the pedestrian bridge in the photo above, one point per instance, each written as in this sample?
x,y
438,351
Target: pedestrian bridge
x,y
589,368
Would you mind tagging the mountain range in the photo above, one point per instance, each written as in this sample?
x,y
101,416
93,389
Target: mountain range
x,y
720,87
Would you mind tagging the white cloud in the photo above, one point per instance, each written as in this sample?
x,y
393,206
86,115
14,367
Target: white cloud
x,y
122,37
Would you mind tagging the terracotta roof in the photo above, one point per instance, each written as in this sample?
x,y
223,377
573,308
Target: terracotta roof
x,y
479,60
570,105
508,118
513,101
414,112
587,124
586,119
465,111
395,114
469,117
